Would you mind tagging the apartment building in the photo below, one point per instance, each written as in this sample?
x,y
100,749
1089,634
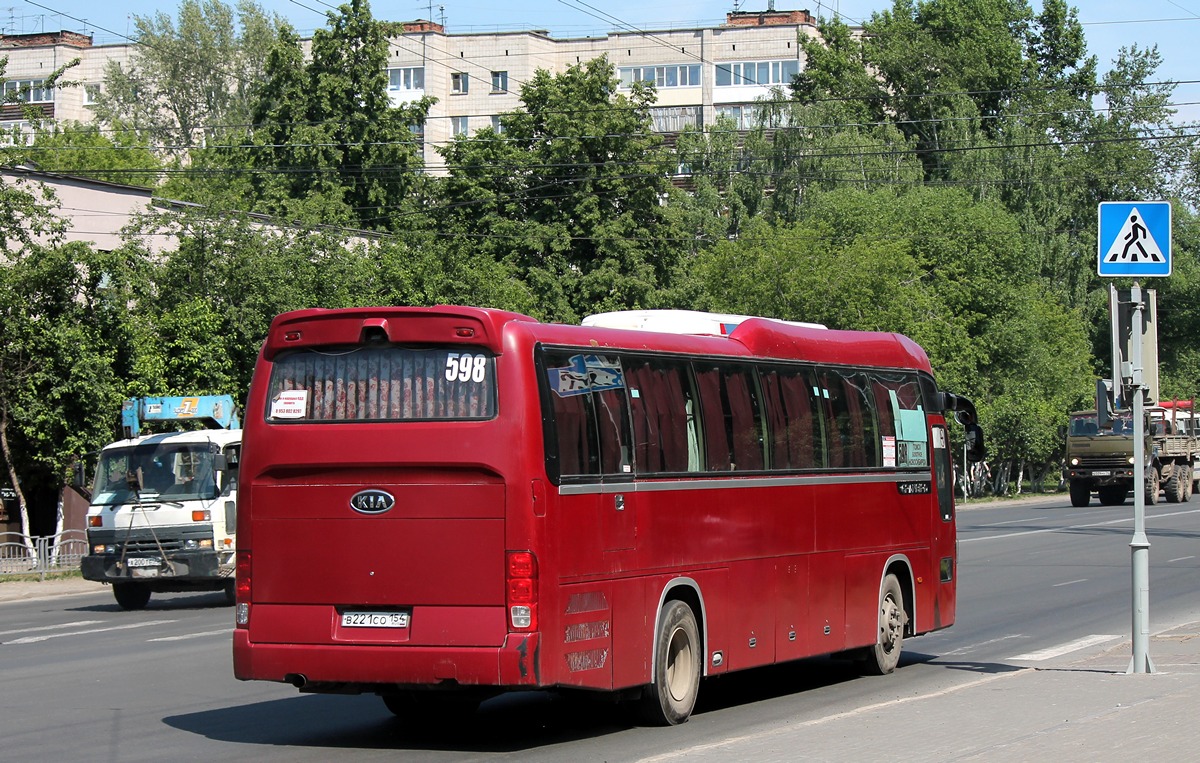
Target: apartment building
x,y
700,73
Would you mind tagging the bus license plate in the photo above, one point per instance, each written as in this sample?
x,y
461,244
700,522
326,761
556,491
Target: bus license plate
x,y
374,619
1101,473
143,561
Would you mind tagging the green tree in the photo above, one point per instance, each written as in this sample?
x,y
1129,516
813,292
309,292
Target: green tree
x,y
570,194
189,81
116,156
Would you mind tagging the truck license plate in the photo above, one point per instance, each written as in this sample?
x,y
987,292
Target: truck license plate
x,y
374,619
143,561
1101,473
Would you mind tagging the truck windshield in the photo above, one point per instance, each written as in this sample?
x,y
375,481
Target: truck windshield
x,y
178,471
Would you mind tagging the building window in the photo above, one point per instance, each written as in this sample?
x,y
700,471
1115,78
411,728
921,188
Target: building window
x,y
499,82
91,92
28,91
459,82
757,73
459,125
410,78
674,118
497,125
682,75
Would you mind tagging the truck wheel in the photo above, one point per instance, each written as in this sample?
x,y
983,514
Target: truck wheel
x,y
1113,495
131,595
1175,487
1081,494
669,700
1152,486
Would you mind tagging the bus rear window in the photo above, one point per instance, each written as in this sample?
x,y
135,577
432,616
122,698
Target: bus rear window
x,y
387,383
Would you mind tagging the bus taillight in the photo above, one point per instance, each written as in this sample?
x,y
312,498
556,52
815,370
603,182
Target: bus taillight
x,y
242,590
521,590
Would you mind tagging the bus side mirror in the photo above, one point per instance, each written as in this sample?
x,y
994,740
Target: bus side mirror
x,y
220,463
976,450
77,476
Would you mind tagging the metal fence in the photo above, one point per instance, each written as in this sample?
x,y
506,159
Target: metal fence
x,y
41,555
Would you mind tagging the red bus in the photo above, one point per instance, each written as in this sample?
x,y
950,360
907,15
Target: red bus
x,y
438,504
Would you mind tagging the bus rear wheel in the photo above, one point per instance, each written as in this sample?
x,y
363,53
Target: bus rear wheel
x,y
131,595
669,699
883,658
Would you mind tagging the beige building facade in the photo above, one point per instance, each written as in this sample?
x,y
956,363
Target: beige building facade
x,y
700,73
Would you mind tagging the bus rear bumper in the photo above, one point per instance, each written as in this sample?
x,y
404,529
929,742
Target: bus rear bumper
x,y
359,668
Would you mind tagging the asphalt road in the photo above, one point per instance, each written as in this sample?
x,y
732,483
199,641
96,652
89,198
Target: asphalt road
x,y
83,680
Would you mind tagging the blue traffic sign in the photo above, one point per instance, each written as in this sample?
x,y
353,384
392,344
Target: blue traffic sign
x,y
1135,238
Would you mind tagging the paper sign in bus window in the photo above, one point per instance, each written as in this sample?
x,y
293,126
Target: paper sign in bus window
x,y
290,404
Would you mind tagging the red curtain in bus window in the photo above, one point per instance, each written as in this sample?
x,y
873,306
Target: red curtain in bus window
x,y
746,428
574,444
659,416
795,433
612,423
717,450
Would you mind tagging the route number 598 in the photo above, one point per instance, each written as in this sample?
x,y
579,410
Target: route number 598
x,y
466,367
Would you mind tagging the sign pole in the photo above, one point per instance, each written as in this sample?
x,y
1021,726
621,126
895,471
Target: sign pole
x,y
1140,545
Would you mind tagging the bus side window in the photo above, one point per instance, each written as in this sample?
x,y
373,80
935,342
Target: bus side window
x,y
732,419
660,396
854,441
795,423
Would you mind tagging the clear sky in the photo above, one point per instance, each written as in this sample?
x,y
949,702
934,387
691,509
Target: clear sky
x,y
1172,25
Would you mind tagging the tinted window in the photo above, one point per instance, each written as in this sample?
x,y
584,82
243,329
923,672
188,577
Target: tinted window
x,y
662,407
795,420
853,431
386,383
730,416
590,420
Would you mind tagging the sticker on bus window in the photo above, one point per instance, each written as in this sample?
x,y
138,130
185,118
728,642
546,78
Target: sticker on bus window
x,y
911,453
587,373
290,404
939,438
889,451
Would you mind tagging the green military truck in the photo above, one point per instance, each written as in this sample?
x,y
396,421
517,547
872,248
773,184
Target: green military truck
x,y
1100,457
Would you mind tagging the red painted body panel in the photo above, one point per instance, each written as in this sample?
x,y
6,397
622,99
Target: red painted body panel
x,y
795,568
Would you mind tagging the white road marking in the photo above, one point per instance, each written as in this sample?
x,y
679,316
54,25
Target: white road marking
x,y
60,626
1069,582
972,647
700,749
1180,559
47,637
1057,651
187,636
1065,528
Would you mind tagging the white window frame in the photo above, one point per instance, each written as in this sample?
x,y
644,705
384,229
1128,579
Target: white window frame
x,y
401,78
756,73
460,83
460,126
500,82
663,75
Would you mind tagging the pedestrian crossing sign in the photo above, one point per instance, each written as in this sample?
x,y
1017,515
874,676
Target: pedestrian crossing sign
x,y
1135,238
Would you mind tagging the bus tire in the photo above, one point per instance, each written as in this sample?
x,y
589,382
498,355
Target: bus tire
x,y
669,699
883,658
131,596
1081,494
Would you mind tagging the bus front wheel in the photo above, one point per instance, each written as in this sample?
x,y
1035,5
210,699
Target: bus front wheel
x,y
883,658
669,699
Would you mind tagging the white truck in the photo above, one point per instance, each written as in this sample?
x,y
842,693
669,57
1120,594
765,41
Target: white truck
x,y
163,512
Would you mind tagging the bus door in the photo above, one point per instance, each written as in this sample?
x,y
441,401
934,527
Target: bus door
x,y
943,535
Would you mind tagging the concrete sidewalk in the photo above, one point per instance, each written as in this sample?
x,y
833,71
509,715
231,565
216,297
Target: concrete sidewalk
x,y
25,590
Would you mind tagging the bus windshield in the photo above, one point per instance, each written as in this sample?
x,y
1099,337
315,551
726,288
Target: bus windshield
x,y
178,471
